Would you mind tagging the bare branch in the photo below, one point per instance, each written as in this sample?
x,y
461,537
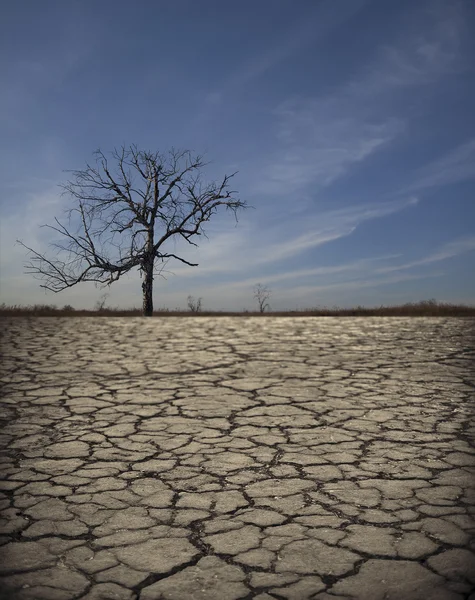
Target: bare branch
x,y
166,198
178,258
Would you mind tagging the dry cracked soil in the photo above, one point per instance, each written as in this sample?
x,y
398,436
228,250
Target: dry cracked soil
x,y
237,458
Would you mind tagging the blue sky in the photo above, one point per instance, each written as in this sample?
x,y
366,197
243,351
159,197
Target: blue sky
x,y
350,122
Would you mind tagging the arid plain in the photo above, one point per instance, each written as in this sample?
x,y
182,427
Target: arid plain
x,y
234,458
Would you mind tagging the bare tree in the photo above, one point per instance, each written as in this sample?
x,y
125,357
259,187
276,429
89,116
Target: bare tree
x,y
261,293
100,304
194,306
146,200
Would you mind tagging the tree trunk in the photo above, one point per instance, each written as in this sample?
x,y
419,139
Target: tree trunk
x,y
147,287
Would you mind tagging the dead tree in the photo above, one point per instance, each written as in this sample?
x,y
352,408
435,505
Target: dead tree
x,y
261,293
194,305
144,201
100,304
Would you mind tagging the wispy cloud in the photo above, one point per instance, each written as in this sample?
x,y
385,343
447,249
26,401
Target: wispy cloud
x,y
357,266
428,49
314,290
327,227
40,208
451,249
320,139
455,166
448,250
262,243
358,274
320,22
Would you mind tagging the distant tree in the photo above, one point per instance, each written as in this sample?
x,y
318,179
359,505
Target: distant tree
x,y
148,199
100,304
193,305
262,294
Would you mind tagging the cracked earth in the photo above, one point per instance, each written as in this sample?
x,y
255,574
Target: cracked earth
x,y
237,458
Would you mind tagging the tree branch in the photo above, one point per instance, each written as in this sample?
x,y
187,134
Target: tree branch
x,y
165,198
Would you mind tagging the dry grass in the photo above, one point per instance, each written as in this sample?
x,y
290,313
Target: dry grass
x,y
426,308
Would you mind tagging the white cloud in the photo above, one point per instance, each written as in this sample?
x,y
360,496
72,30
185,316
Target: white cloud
x,y
358,266
314,290
245,255
452,249
261,242
455,166
326,227
356,275
230,250
24,224
448,250
320,140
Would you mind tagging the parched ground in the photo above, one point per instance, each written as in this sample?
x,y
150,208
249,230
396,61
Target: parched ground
x,y
237,458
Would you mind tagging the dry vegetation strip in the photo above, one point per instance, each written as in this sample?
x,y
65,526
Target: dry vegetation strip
x,y
426,308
